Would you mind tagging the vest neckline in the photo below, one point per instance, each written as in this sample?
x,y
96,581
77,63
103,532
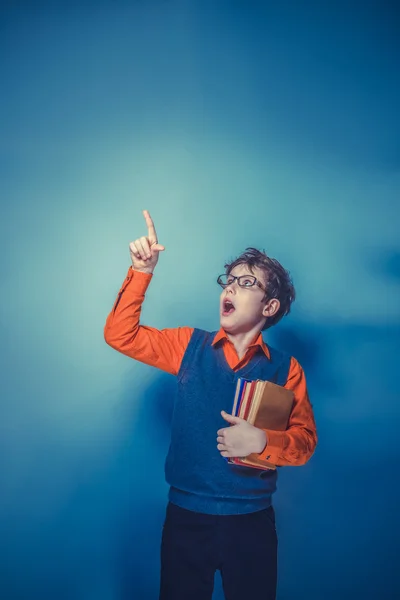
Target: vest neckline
x,y
244,371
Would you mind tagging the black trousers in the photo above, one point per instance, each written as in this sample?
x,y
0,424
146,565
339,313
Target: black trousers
x,y
195,545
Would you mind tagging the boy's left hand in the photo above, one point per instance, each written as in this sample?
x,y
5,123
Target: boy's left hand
x,y
240,439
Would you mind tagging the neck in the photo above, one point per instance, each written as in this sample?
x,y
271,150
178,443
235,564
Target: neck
x,y
242,341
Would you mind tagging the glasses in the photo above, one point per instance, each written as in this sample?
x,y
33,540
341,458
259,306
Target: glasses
x,y
245,281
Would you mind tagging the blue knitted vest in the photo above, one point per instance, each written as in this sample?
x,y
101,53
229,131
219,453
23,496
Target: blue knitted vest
x,y
200,479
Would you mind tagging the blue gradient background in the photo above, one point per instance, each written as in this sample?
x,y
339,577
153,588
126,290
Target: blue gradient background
x,y
235,124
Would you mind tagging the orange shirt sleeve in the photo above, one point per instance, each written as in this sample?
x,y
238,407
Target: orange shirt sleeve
x,y
163,349
296,445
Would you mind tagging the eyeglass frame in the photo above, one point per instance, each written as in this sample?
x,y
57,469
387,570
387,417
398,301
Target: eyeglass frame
x,y
256,282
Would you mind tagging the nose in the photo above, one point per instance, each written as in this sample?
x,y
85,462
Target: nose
x,y
231,287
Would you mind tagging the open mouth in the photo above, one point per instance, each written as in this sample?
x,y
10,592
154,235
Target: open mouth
x,y
227,307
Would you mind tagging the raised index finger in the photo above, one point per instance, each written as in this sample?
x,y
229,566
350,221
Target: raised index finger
x,y
150,226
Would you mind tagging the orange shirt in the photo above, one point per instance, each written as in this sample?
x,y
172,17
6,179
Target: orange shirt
x,y
165,348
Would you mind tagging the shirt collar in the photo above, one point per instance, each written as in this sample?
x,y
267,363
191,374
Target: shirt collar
x,y
221,335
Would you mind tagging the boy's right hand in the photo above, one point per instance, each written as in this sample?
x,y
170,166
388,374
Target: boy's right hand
x,y
145,250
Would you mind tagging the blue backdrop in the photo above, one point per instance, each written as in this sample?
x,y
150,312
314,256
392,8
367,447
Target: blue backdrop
x,y
235,123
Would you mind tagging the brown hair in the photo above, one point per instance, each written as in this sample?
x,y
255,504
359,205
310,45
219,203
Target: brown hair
x,y
277,280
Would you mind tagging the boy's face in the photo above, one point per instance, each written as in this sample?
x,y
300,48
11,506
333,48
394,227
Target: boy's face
x,y
242,309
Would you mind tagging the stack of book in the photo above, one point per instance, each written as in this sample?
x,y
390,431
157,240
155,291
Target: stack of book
x,y
265,405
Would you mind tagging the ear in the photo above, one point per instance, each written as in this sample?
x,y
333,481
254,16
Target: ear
x,y
271,308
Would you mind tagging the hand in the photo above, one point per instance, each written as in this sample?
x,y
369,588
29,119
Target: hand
x,y
145,250
240,439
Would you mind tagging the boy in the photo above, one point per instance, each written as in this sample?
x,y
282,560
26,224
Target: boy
x,y
219,515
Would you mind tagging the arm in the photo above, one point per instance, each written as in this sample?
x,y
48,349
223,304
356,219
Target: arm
x,y
296,445
163,349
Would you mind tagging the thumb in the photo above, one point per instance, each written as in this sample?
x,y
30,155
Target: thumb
x,y
230,418
158,247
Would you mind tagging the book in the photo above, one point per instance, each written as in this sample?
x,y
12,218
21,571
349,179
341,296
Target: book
x,y
265,405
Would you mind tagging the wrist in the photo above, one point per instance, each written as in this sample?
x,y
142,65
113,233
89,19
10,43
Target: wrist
x,y
261,441
148,270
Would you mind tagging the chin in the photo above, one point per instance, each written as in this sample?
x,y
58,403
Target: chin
x,y
223,323
229,327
